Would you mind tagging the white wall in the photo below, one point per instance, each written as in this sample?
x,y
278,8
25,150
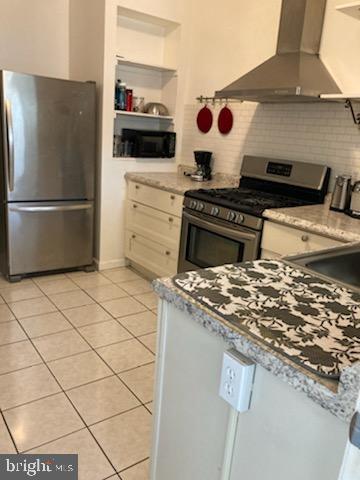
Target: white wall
x,y
339,47
234,36
113,185
225,40
86,62
34,36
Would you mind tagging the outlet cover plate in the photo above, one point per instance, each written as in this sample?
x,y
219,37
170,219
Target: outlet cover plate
x,y
237,377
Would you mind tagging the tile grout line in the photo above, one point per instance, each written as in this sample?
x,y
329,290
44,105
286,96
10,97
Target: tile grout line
x,y
132,466
55,440
22,368
9,431
52,333
108,365
81,418
142,404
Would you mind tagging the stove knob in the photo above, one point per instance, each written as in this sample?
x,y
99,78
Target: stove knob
x,y
193,204
240,218
215,211
232,216
200,207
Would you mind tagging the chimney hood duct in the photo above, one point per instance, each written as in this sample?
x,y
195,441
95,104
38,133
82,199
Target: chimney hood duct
x,y
295,73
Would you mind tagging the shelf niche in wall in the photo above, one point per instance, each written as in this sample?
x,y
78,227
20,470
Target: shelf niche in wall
x,y
146,60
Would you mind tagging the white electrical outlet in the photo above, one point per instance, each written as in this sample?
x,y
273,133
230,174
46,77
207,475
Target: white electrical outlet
x,y
237,376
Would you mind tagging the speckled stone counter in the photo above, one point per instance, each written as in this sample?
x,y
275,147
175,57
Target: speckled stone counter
x,y
179,183
337,396
318,219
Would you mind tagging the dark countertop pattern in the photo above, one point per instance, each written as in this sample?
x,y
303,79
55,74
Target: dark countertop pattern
x,y
297,326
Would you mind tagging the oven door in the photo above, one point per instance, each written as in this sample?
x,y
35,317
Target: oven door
x,y
211,243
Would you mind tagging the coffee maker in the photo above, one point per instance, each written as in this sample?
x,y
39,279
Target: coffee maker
x,y
203,169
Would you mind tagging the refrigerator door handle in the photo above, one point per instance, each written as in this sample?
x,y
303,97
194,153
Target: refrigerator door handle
x,y
49,208
10,145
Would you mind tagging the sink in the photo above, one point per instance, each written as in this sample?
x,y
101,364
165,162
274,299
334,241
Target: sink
x,y
340,264
345,267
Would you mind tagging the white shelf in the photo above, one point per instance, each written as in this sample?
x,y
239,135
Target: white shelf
x,y
352,9
341,97
146,18
146,66
168,118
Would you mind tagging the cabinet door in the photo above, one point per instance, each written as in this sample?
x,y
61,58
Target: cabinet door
x,y
160,260
151,223
154,197
191,419
278,240
285,435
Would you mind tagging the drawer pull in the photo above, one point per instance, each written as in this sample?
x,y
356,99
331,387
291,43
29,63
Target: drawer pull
x,y
172,197
305,238
134,206
167,253
171,219
137,187
133,236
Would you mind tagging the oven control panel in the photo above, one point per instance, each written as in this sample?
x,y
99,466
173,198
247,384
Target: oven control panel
x,y
217,212
196,205
235,217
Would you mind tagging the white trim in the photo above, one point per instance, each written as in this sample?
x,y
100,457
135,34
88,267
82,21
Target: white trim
x,y
108,264
161,344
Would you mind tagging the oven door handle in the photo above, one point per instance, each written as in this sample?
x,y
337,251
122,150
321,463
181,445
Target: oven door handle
x,y
235,233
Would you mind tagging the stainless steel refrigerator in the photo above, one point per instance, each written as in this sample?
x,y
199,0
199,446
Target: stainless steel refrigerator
x,y
47,174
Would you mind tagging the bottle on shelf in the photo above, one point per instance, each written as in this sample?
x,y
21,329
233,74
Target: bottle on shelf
x,y
117,94
129,100
117,146
122,96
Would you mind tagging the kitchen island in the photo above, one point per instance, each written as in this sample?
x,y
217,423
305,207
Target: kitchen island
x,y
301,333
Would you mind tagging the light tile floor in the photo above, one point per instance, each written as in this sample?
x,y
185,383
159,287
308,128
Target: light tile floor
x,y
77,369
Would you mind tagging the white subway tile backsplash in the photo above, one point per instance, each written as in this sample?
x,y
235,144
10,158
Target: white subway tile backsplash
x,y
318,133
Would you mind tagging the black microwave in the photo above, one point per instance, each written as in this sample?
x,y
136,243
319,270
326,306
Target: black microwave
x,y
148,143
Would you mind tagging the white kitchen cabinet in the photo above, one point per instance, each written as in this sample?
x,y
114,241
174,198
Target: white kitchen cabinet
x,y
284,435
163,227
154,197
279,240
152,256
153,226
190,419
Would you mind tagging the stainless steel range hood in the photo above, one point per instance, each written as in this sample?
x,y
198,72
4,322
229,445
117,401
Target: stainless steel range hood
x,y
295,73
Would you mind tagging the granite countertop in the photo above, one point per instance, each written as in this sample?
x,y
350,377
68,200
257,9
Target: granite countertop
x,y
177,182
313,218
295,325
318,219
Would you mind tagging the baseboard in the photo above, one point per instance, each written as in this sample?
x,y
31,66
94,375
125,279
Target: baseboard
x,y
108,264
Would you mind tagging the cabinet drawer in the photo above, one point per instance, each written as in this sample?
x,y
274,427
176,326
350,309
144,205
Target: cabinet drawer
x,y
154,257
156,198
283,240
160,227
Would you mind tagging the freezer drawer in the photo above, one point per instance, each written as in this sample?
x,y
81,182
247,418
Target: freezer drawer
x,y
48,236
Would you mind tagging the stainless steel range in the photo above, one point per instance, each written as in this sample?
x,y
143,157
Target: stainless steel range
x,y
222,226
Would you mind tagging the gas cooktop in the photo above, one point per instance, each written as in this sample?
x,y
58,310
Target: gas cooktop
x,y
246,200
265,184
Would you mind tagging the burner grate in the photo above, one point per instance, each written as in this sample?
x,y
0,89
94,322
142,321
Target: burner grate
x,y
245,200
